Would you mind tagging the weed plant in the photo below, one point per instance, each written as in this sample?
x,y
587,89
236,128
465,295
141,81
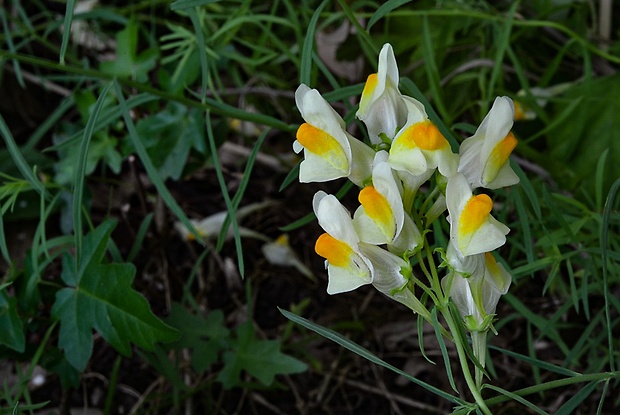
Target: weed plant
x,y
148,161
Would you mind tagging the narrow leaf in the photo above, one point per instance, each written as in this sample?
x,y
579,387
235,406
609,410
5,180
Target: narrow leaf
x,y
229,206
385,8
66,32
150,168
576,399
78,180
18,158
306,52
355,348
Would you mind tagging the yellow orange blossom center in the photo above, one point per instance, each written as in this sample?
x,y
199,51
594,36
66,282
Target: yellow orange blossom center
x,y
371,84
282,240
494,269
498,157
424,135
336,252
476,211
322,144
378,209
519,111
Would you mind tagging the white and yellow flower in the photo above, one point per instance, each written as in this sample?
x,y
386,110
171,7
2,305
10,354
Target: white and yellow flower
x,y
381,218
279,252
383,109
472,228
419,146
476,295
484,157
347,267
352,263
330,152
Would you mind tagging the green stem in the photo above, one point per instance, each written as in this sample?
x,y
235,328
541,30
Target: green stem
x,y
479,345
458,341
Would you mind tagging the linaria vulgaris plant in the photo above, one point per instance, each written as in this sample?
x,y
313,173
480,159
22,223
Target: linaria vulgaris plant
x,y
408,176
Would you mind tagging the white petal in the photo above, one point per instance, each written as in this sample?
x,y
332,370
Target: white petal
x,y
336,220
367,229
316,169
361,161
387,276
342,280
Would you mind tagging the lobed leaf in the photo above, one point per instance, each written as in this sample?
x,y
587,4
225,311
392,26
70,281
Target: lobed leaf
x,y
99,297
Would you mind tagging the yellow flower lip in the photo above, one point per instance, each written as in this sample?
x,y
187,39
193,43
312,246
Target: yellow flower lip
x,y
423,134
371,84
323,144
378,209
336,252
499,156
474,214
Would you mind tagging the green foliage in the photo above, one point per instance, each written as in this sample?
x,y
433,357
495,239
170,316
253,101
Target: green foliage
x,y
589,128
239,350
169,135
99,297
10,324
128,63
260,358
139,107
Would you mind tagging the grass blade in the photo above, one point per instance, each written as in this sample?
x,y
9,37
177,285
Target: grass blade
x,y
80,168
502,44
66,32
517,398
137,244
385,8
3,246
609,202
359,350
247,174
200,43
229,206
443,348
579,397
11,47
432,71
18,158
536,362
305,68
150,168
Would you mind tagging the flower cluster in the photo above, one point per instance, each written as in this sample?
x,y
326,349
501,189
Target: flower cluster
x,y
406,150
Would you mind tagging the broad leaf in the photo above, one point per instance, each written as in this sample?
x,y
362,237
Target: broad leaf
x,y
128,64
168,137
99,296
260,358
11,330
206,336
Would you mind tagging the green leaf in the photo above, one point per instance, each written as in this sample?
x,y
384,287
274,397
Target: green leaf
x,y
356,348
260,358
127,63
385,8
594,126
11,330
169,135
99,296
207,336
186,4
67,29
306,51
